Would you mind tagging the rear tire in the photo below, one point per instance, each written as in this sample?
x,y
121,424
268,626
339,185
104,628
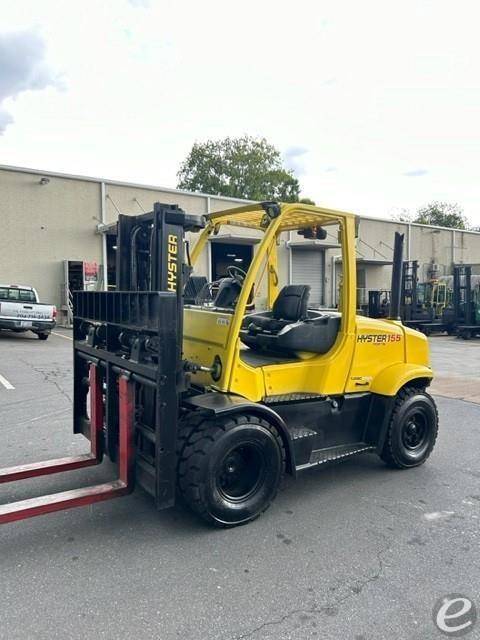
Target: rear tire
x,y
412,431
229,469
42,336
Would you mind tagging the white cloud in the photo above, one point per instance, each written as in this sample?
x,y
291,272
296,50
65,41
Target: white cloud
x,y
5,119
294,158
415,173
339,79
23,68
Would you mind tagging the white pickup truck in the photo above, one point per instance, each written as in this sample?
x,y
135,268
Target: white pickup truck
x,y
20,310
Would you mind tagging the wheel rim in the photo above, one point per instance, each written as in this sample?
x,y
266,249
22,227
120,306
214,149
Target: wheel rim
x,y
241,472
415,432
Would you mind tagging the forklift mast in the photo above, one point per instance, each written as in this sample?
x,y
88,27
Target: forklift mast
x,y
462,294
151,251
409,288
128,370
137,330
415,309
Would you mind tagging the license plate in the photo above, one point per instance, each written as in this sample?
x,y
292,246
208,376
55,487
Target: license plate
x,y
25,324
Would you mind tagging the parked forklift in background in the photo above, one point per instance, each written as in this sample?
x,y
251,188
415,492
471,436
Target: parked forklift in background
x,y
378,303
420,301
213,403
441,295
467,302
414,308
459,309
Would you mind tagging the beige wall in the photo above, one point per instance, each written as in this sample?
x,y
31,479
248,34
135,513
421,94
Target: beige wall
x,y
467,248
135,200
43,225
428,245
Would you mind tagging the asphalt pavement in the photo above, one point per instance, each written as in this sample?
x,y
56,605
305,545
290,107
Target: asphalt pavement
x,y
355,551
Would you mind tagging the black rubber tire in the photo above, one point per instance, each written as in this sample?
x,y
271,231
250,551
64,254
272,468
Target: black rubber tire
x,y
42,336
410,402
203,450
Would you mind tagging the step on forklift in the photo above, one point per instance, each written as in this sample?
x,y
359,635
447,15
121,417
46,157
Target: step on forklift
x,y
211,402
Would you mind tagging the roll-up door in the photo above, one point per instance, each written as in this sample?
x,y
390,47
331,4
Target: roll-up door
x,y
308,267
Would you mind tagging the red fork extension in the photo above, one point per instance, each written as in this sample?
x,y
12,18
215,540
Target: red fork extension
x,y
88,495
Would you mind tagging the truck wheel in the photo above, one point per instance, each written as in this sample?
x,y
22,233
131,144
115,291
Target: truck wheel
x,y
412,431
229,470
42,336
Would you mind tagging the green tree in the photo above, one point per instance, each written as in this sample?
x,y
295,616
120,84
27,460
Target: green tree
x,y
243,167
307,201
404,215
442,214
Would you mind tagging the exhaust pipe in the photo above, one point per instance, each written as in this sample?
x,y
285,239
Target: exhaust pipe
x,y
397,269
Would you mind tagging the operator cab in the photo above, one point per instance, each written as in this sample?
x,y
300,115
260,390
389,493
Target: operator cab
x,y
290,327
221,294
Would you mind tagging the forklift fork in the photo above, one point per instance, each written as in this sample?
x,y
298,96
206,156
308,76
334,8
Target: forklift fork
x,y
88,495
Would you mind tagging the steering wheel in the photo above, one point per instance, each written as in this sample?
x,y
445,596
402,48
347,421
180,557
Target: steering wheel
x,y
237,274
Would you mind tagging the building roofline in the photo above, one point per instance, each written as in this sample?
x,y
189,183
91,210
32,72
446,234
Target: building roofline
x,y
416,224
119,183
138,185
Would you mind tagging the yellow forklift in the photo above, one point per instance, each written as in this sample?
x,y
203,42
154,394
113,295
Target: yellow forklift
x,y
212,401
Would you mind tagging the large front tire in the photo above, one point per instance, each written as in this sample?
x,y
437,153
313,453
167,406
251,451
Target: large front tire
x,y
229,470
412,431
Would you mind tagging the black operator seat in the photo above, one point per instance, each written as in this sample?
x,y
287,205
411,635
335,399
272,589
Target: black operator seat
x,y
290,326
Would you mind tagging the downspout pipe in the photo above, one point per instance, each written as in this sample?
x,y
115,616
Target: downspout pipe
x,y
209,244
397,269
334,278
103,217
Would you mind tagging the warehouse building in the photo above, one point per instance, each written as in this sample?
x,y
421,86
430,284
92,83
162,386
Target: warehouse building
x,y
57,235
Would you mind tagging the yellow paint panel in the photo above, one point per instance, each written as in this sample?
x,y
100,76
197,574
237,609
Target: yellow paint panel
x,y
392,378
320,374
205,335
247,381
378,344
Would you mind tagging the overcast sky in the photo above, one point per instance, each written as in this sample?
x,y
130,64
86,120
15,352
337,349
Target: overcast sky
x,y
375,104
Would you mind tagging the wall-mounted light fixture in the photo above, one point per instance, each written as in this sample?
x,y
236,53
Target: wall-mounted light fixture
x,y
44,181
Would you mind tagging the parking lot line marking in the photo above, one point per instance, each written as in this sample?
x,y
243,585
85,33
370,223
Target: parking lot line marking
x,y
60,335
8,385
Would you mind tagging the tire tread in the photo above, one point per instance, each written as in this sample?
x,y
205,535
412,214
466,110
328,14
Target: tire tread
x,y
197,436
388,454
